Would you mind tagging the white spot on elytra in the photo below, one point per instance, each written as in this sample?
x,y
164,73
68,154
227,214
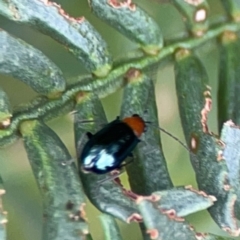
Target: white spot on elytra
x,y
105,160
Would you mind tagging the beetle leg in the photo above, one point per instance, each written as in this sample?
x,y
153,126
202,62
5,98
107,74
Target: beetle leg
x,y
131,155
69,162
89,135
108,178
129,161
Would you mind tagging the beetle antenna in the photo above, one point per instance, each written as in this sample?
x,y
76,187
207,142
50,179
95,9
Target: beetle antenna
x,y
81,120
175,138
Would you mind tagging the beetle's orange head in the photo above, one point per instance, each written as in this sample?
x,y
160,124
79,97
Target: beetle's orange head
x,y
136,123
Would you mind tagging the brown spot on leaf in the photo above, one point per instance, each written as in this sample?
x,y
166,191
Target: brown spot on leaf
x,y
220,155
189,187
226,185
122,4
15,11
182,53
130,194
76,215
202,193
201,236
232,232
83,214
171,213
229,123
220,143
125,191
81,96
228,36
135,217
191,227
152,198
155,198
5,123
62,12
206,109
194,143
133,74
69,205
153,233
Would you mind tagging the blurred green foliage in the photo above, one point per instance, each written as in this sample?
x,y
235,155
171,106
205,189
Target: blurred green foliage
x,y
22,200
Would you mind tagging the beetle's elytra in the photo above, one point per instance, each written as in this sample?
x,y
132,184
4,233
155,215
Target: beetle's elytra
x,y
107,149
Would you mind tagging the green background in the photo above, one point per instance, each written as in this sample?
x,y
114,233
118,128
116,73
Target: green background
x,y
22,200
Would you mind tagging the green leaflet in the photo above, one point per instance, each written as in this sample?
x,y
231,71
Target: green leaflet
x,y
196,13
131,21
229,82
63,199
148,172
163,211
24,62
77,34
230,136
194,99
161,225
183,200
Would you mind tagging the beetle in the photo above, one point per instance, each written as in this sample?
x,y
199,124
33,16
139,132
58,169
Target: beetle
x,y
108,148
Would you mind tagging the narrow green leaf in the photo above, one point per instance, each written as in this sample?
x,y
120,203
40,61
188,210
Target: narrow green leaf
x,y
233,8
148,172
3,219
22,61
131,21
107,197
179,202
163,223
183,200
230,136
229,82
111,230
5,109
77,34
63,199
196,14
194,99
